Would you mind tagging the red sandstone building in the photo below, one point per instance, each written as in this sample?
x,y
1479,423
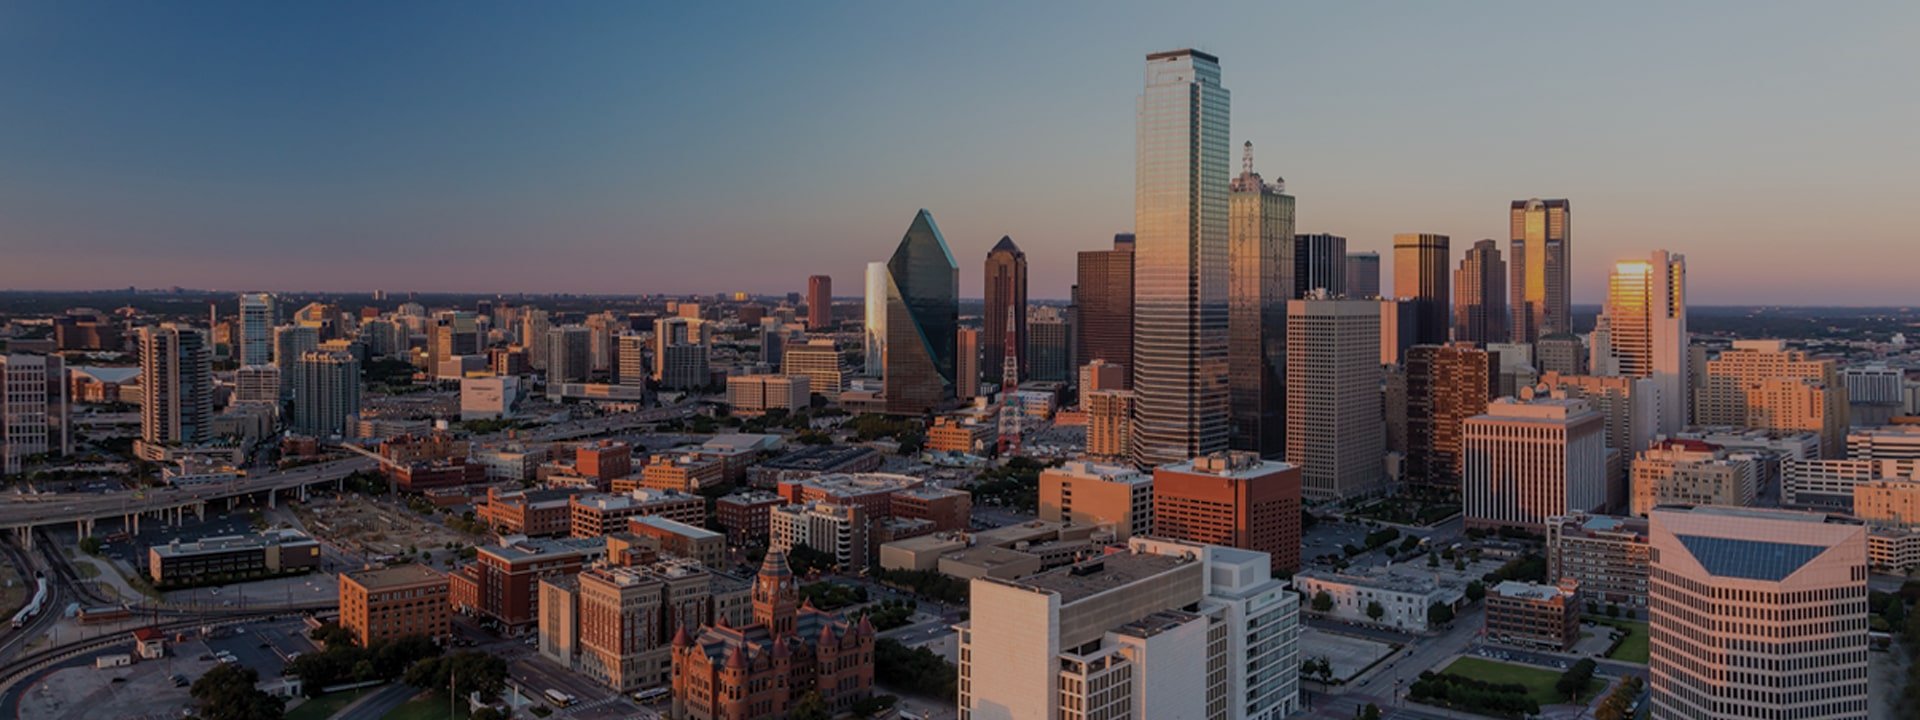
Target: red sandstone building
x,y
1231,499
760,671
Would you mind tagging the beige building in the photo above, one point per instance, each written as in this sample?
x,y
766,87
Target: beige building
x,y
1109,422
1760,384
1630,405
831,528
1528,461
756,394
1687,472
1111,496
1642,331
1757,614
822,361
1334,418
1607,555
616,624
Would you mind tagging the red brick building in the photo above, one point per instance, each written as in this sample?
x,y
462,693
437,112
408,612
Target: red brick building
x,y
603,460
1231,499
759,671
503,581
946,509
534,513
744,515
427,475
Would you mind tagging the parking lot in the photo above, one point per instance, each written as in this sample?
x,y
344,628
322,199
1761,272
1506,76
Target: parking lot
x,y
145,690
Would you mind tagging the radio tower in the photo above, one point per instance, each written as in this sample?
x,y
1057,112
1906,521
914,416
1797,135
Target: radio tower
x,y
1009,381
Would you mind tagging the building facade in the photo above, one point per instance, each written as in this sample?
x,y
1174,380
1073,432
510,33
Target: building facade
x,y
1642,332
1539,260
1334,417
1480,295
1526,462
1421,264
922,302
758,671
1103,297
1232,500
1006,302
1446,384
1259,242
391,603
1086,493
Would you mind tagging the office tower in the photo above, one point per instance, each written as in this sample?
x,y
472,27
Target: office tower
x,y
1393,409
819,302
923,316
1446,384
1334,418
1480,295
773,342
1233,500
967,365
1164,629
176,386
1525,462
454,333
1875,394
680,353
1690,472
1516,367
1049,345
381,337
1006,300
1761,385
1109,423
1642,331
1399,328
1420,262
601,346
289,343
567,354
1363,275
1540,276
630,367
1180,271
34,409
1259,238
1631,406
1103,293
257,384
1566,354
329,394
822,361
533,334
1320,263
874,329
750,314
1115,498
1757,614
256,329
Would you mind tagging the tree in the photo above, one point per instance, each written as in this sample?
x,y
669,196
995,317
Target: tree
x,y
1895,611
811,707
1433,560
1370,712
1476,590
1574,681
226,692
1613,610
472,669
1375,611
1322,602
874,706
90,545
1439,614
486,713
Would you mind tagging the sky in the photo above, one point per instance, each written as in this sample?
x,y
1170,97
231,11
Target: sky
x,y
608,147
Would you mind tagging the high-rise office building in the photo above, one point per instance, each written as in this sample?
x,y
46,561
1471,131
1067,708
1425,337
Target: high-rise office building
x,y
1760,384
1320,263
1233,500
1642,331
1334,423
289,343
256,329
533,334
1103,294
1420,275
1446,384
824,364
966,380
1363,275
819,302
176,385
630,361
1757,614
1480,295
1398,329
454,333
602,328
1259,236
34,409
1539,262
923,319
1109,423
329,395
1180,269
567,354
874,327
1164,629
1049,345
1525,462
680,353
1006,301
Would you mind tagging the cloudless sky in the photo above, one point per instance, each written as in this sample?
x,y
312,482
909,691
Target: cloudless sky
x,y
632,147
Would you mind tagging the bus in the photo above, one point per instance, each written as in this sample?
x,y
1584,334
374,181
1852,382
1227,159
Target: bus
x,y
651,694
559,699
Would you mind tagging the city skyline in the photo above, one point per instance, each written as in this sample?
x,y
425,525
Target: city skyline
x,y
276,158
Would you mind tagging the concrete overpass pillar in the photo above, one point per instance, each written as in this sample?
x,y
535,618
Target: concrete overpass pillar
x,y
200,511
271,498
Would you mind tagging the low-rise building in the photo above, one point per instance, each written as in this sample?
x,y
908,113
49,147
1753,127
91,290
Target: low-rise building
x,y
395,602
837,530
1893,549
676,538
811,461
944,508
1534,615
961,435
1606,555
757,394
510,463
744,515
598,515
1086,493
1829,484
534,513
502,582
1690,472
232,558
1403,599
615,624
683,473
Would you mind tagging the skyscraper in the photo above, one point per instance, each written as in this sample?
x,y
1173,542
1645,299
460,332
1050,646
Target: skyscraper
x,y
176,385
329,394
1180,274
923,315
1541,257
1006,299
289,343
1446,384
533,334
1363,275
630,361
1756,614
567,354
680,353
1320,262
256,329
1420,262
874,326
1642,331
1049,345
1103,293
1480,295
966,382
1259,235
819,302
1334,423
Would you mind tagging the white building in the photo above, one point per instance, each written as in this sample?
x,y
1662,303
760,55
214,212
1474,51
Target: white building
x,y
1893,442
1525,462
488,398
1403,599
874,332
837,530
1829,484
34,414
256,329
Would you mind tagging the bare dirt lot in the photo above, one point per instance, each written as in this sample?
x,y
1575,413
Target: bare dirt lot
x,y
360,525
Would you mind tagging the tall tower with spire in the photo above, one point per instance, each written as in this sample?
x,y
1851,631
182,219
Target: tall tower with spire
x,y
1006,290
1260,252
776,596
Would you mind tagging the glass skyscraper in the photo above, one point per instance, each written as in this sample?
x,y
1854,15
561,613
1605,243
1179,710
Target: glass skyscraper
x,y
923,319
1259,243
875,328
1542,251
256,329
1180,260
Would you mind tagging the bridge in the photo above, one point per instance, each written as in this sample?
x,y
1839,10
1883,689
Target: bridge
x,y
23,513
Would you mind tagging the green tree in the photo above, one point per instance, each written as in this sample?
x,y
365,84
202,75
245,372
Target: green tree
x,y
1476,590
472,669
1433,560
1895,611
90,545
1322,602
487,713
1439,614
1375,611
811,707
1574,681
1370,712
227,692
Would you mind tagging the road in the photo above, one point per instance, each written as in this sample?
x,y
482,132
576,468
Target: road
x,y
377,704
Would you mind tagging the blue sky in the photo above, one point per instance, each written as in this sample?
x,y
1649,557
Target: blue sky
x,y
655,147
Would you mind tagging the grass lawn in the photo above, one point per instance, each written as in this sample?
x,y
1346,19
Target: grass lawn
x,y
1538,681
432,706
1634,648
325,706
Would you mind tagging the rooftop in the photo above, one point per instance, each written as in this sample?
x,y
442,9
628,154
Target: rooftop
x,y
396,576
1229,465
225,543
854,484
1102,472
675,527
1084,580
1530,591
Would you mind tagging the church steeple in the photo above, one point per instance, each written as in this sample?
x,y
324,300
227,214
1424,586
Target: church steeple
x,y
776,595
